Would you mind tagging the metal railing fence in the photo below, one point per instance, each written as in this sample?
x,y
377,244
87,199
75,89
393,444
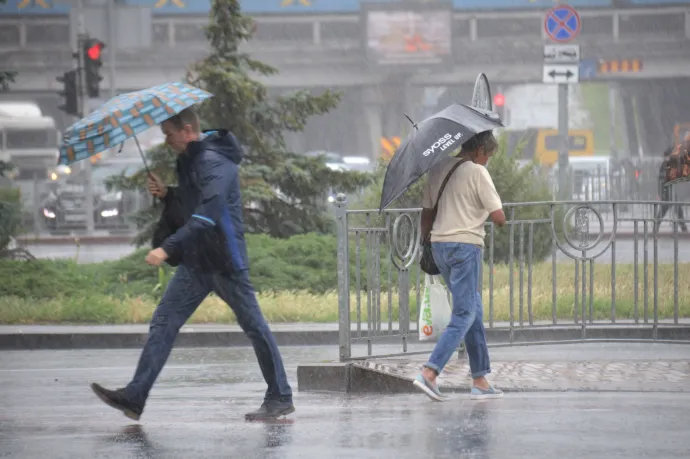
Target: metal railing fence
x,y
555,265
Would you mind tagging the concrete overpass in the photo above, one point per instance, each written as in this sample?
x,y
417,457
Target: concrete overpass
x,y
319,51
507,46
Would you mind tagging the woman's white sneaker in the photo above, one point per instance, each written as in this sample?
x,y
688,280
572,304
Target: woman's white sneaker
x,y
480,394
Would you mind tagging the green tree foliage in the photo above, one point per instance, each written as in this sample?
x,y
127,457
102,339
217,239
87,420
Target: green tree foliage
x,y
6,76
514,183
521,184
284,193
10,212
5,168
161,160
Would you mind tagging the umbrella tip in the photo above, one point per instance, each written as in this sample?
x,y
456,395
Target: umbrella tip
x,y
410,120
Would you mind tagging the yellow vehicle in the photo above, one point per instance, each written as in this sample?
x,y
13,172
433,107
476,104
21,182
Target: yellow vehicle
x,y
543,144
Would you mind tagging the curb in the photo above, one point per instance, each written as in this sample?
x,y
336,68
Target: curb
x,y
56,340
625,235
134,340
74,240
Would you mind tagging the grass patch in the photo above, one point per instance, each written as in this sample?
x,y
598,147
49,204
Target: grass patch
x,y
88,306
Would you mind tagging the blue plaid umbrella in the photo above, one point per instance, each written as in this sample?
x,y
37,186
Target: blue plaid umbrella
x,y
125,116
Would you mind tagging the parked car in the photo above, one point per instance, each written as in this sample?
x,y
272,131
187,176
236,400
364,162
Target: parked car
x,y
338,162
64,208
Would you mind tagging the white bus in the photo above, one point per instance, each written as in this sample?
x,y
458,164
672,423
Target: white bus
x,y
29,141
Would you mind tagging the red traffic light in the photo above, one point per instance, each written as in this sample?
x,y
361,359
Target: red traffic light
x,y
499,100
94,51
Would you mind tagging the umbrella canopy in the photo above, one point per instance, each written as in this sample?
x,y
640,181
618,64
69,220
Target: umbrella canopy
x,y
125,116
429,142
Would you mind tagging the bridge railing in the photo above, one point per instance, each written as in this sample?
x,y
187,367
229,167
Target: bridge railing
x,y
335,31
557,271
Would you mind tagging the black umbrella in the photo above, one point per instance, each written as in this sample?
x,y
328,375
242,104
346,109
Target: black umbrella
x,y
429,142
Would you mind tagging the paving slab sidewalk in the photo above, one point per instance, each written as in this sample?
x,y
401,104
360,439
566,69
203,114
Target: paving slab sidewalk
x,y
602,374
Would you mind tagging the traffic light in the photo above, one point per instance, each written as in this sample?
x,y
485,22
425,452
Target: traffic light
x,y
70,92
499,105
91,50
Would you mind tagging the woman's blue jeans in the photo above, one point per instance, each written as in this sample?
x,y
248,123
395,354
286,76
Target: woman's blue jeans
x,y
459,265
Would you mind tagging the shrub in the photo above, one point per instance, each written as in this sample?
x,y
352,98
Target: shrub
x,y
516,184
300,263
304,262
53,278
42,278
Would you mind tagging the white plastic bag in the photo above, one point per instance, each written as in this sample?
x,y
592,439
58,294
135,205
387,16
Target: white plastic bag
x,y
435,311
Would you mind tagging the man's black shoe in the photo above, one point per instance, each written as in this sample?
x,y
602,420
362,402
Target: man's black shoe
x,y
118,400
270,409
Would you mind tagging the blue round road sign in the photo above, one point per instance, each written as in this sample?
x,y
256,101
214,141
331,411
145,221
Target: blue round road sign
x,y
562,23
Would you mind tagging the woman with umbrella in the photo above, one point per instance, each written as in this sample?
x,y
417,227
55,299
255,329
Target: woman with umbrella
x,y
456,231
452,226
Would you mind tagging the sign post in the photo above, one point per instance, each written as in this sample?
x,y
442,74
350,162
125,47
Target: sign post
x,y
561,66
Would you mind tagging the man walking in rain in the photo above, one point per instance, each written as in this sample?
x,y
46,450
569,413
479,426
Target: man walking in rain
x,y
208,195
457,239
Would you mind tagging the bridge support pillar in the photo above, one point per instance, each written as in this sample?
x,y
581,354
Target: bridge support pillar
x,y
384,109
613,120
371,124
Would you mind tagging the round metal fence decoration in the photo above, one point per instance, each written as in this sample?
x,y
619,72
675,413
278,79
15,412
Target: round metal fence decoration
x,y
581,236
481,94
404,241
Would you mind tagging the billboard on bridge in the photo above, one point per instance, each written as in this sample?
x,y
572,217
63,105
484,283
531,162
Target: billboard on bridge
x,y
407,34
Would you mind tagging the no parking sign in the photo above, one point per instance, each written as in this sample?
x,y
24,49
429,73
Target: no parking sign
x,y
562,24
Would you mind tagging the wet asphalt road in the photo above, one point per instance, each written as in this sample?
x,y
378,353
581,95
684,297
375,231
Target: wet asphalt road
x,y
197,407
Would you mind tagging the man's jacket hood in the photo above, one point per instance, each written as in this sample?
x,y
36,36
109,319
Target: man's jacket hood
x,y
221,141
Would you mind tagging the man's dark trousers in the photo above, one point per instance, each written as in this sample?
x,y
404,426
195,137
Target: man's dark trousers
x,y
664,208
183,296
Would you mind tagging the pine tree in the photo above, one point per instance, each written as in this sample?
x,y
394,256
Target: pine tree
x,y
283,192
6,77
10,213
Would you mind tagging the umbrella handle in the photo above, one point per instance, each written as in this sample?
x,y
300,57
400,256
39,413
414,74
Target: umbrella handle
x,y
143,158
146,166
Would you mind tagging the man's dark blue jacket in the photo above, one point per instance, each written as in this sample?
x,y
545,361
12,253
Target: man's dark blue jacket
x,y
208,229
